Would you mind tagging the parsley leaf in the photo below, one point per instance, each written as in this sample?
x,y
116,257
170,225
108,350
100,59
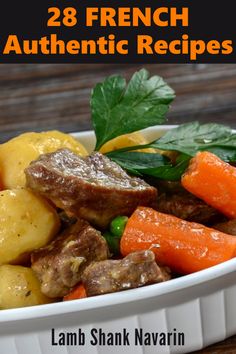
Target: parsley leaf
x,y
150,164
119,108
138,162
187,140
193,137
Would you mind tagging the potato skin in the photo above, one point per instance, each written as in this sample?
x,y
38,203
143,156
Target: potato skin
x,y
19,287
27,223
17,153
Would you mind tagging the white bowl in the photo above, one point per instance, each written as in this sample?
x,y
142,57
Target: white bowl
x,y
200,305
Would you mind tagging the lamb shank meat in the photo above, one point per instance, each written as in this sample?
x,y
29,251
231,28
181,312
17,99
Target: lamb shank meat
x,y
59,265
188,207
228,227
175,200
135,270
93,187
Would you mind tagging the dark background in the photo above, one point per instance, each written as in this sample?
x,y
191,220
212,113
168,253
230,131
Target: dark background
x,y
28,20
47,96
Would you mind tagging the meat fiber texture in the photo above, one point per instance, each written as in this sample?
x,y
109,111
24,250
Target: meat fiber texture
x,y
93,188
59,265
135,270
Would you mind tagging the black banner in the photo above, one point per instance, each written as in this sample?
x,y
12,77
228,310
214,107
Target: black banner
x,y
71,31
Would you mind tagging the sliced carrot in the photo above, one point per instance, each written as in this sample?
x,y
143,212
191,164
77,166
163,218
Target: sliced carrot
x,y
214,181
184,246
77,293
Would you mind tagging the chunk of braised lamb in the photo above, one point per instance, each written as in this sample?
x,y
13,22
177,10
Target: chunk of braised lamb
x,y
186,206
93,187
135,270
59,265
228,227
66,220
165,186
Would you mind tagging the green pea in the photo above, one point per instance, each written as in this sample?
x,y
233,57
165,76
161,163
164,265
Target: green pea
x,y
117,225
113,242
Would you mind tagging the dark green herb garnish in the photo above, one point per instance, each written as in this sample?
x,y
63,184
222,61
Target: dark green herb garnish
x,y
138,162
192,137
119,108
187,140
148,164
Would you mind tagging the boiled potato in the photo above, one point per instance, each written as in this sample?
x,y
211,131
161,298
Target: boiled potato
x,y
17,153
133,139
126,140
19,287
27,223
1,184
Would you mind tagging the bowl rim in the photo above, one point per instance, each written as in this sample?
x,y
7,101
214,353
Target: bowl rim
x,y
150,291
146,292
